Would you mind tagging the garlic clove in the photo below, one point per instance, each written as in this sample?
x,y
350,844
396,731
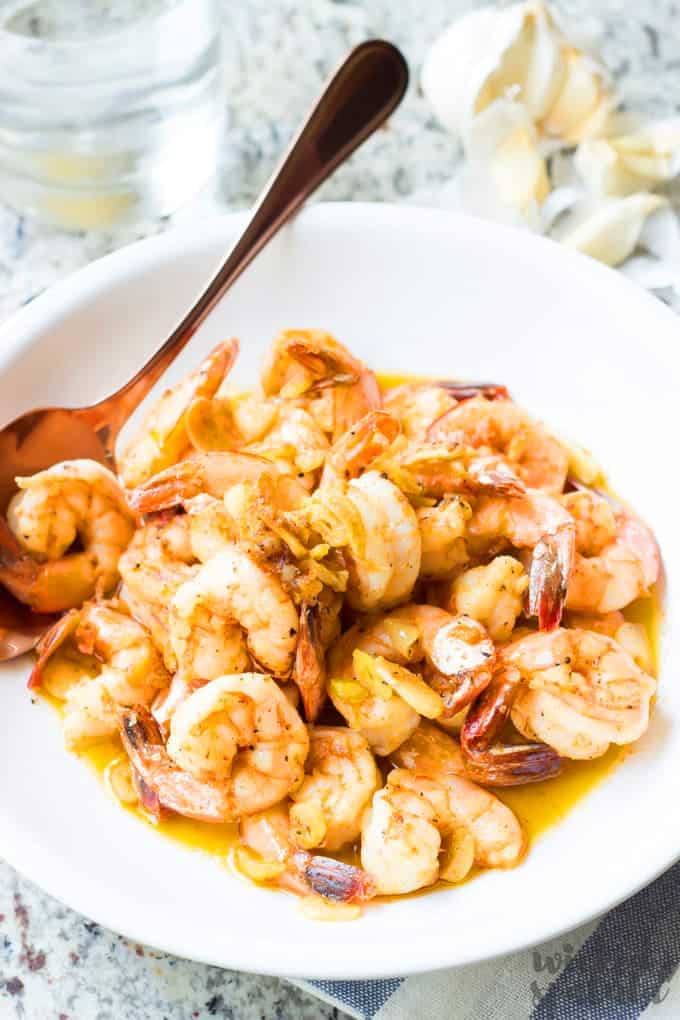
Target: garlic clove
x,y
602,171
584,102
624,164
502,151
608,231
544,73
653,151
461,61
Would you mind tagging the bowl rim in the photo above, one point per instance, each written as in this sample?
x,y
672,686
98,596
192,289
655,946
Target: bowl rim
x,y
277,958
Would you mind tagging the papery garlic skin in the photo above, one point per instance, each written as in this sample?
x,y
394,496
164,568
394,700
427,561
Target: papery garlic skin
x,y
631,162
609,231
517,51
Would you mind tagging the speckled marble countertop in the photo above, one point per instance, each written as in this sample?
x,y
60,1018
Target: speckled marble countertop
x,y
54,964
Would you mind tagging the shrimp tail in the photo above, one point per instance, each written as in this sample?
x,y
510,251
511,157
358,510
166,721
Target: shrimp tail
x,y
488,715
367,439
212,472
513,765
18,571
167,489
50,642
326,368
160,783
549,575
491,474
309,670
457,692
465,391
334,880
148,797
499,764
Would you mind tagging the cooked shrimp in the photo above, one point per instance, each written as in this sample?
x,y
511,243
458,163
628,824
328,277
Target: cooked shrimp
x,y
128,669
617,559
75,500
341,777
231,611
278,859
168,700
213,474
295,442
502,427
162,439
427,471
581,692
456,650
277,430
430,751
159,559
355,451
536,522
309,361
383,568
492,594
631,636
443,531
368,518
413,818
236,746
418,405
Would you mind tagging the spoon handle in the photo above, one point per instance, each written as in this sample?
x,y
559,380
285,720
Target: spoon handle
x,y
364,91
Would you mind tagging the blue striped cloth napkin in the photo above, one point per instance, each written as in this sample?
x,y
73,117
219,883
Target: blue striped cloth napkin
x,y
619,967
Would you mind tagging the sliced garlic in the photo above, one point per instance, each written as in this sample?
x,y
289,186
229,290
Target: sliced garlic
x,y
631,162
308,824
457,856
633,637
608,231
255,867
347,690
522,52
383,678
119,781
582,465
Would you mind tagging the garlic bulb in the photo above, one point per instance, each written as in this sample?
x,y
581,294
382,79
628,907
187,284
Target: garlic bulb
x,y
632,162
520,52
610,230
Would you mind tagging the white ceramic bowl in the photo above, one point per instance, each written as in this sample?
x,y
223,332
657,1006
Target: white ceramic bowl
x,y
409,290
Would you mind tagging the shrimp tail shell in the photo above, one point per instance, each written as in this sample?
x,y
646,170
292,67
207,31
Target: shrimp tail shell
x,y
513,765
50,642
549,575
334,880
499,764
465,391
160,783
309,671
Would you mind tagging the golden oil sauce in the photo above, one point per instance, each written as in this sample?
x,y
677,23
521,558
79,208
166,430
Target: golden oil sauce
x,y
538,806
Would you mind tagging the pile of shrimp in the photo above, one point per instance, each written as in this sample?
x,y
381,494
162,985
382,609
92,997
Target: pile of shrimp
x,y
337,615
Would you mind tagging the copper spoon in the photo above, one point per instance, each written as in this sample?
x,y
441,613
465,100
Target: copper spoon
x,y
365,90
